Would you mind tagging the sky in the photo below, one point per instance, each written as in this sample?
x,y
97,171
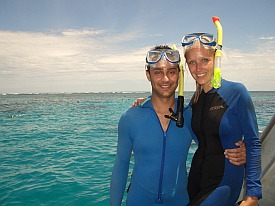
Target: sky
x,y
53,46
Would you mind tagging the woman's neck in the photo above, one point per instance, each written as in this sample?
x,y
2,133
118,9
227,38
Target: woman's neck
x,y
207,88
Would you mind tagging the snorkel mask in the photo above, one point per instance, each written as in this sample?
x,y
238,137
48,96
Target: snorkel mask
x,y
204,38
154,56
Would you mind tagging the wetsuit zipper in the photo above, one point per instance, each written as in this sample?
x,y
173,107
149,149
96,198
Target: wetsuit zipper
x,y
159,199
203,116
203,130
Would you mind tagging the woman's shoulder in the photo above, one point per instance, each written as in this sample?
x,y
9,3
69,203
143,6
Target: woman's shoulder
x,y
235,86
233,91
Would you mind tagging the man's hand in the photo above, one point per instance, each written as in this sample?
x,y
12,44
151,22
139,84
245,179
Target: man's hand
x,y
138,102
249,201
236,156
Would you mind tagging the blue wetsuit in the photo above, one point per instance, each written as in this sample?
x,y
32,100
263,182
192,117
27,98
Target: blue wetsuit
x,y
220,118
159,175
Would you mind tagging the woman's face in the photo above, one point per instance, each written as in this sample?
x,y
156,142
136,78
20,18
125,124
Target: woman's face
x,y
200,62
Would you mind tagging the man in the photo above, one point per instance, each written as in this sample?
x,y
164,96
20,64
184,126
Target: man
x,y
160,147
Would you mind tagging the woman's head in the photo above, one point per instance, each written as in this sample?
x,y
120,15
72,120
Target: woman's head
x,y
199,52
200,61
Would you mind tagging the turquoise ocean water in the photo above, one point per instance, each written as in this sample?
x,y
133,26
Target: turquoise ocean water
x,y
59,149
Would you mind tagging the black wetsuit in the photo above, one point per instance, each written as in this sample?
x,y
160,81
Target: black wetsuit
x,y
220,118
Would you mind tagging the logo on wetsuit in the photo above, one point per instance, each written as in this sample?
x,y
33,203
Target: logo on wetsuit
x,y
216,108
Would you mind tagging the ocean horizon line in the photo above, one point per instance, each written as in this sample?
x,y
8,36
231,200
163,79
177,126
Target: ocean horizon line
x,y
110,92
37,93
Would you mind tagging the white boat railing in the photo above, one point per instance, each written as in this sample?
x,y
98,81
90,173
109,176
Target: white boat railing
x,y
268,166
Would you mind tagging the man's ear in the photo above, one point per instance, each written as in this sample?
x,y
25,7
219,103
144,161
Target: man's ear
x,y
148,76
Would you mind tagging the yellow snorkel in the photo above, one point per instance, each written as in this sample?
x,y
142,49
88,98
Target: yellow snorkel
x,y
216,81
178,116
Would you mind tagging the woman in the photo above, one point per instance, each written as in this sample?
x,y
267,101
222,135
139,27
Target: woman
x,y
220,117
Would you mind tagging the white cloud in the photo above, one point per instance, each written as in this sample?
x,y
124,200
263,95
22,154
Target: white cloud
x,y
256,70
124,58
267,38
74,57
82,32
89,60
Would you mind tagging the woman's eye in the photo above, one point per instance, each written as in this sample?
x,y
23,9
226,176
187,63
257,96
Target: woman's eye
x,y
191,62
205,60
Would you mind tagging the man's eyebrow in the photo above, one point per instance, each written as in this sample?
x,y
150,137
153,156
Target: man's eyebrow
x,y
164,68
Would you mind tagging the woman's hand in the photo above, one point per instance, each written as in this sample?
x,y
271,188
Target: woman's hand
x,y
138,102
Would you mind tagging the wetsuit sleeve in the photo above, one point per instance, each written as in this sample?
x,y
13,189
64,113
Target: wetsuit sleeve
x,y
121,166
247,117
187,122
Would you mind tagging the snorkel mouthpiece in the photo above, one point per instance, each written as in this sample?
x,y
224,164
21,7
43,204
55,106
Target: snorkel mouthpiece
x,y
216,81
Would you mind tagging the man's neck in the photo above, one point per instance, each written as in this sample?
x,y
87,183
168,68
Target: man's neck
x,y
162,105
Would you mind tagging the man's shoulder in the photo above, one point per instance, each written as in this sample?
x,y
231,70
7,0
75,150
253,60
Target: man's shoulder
x,y
135,111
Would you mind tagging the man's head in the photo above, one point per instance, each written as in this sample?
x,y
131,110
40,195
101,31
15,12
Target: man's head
x,y
162,70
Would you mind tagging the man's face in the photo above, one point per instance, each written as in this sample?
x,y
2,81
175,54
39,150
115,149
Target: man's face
x,y
164,78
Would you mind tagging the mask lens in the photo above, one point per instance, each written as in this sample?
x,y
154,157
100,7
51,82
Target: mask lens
x,y
206,38
153,56
188,39
172,56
